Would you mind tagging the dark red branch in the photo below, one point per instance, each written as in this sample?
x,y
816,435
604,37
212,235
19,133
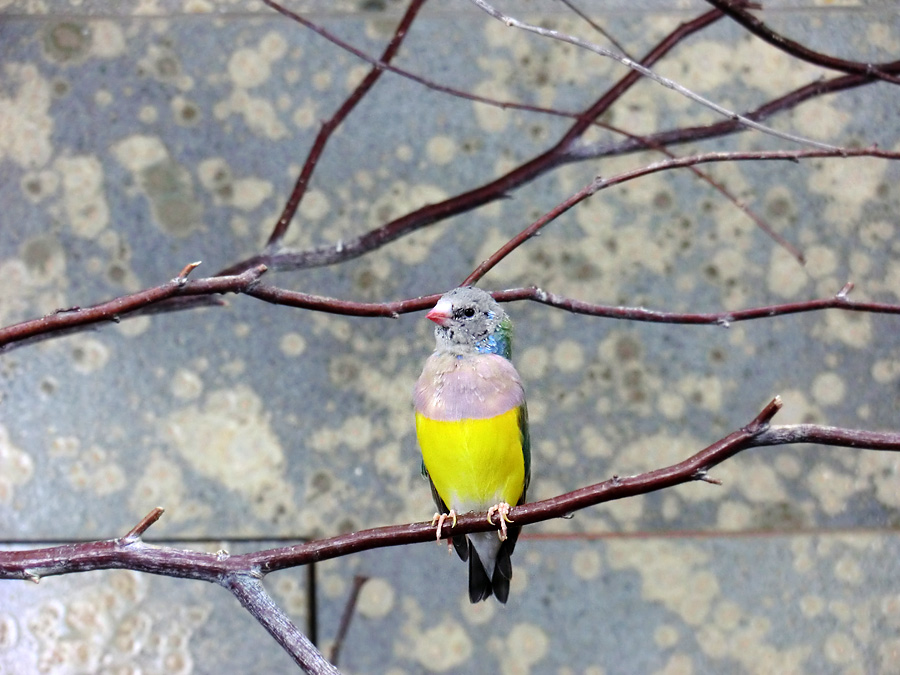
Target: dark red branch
x,y
402,72
391,310
328,127
133,554
531,231
427,215
683,135
724,319
835,436
737,12
77,318
472,199
349,609
675,162
280,296
66,320
242,574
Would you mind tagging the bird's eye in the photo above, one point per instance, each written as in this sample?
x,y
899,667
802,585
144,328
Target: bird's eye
x,y
468,312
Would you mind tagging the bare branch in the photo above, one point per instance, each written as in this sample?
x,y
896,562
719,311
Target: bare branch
x,y
122,553
760,222
737,11
724,319
597,27
394,309
565,151
241,574
646,72
705,132
824,435
413,77
248,589
562,152
391,310
358,582
328,128
65,320
676,162
532,230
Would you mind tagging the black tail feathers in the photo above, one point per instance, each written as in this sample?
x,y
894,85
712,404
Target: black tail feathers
x,y
482,586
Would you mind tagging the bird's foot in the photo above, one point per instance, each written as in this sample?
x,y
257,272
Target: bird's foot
x,y
502,510
438,520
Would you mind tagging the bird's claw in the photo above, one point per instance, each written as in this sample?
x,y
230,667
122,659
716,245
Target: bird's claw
x,y
502,510
438,520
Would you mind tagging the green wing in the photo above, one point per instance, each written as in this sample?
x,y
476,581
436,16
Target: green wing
x,y
526,448
504,335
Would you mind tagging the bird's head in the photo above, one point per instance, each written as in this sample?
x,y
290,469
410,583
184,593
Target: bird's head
x,y
470,321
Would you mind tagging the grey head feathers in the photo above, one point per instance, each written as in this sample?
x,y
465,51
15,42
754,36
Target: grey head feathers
x,y
470,321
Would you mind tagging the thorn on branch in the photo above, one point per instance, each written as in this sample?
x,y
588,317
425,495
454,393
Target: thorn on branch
x,y
761,422
183,274
845,291
144,525
703,475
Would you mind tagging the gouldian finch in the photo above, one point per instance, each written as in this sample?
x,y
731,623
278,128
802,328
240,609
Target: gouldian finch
x,y
472,426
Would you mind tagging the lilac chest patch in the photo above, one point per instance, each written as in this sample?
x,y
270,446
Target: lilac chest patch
x,y
477,386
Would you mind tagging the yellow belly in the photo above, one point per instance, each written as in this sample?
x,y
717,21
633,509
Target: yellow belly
x,y
474,463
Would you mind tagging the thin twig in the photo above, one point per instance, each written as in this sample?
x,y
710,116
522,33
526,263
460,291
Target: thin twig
x,y
665,165
346,617
138,530
597,27
532,230
328,127
565,152
419,79
646,72
562,152
738,13
760,222
704,132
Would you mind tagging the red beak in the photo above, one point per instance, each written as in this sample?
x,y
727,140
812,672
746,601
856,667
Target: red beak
x,y
439,317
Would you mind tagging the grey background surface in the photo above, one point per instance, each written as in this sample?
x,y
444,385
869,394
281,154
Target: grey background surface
x,y
135,138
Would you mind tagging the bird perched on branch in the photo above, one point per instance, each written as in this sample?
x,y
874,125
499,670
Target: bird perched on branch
x,y
472,426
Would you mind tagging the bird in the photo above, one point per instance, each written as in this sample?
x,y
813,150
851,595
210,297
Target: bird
x,y
472,428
